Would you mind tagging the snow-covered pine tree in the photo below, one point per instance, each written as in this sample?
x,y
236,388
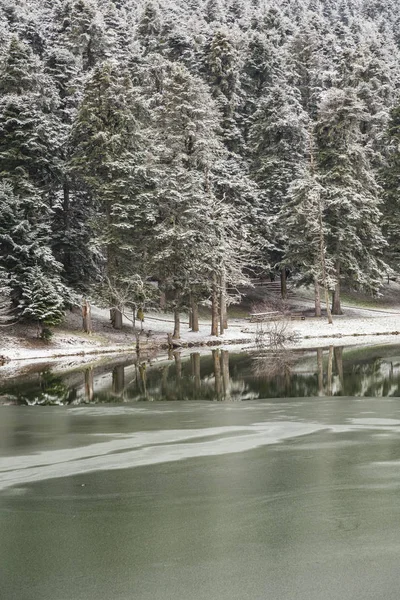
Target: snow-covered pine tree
x,y
390,177
29,274
106,157
350,193
303,215
222,64
29,155
278,141
79,28
194,239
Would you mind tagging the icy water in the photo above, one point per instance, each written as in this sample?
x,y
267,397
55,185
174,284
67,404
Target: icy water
x,y
222,494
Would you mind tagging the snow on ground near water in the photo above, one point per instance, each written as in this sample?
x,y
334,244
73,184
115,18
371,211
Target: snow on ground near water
x,y
357,326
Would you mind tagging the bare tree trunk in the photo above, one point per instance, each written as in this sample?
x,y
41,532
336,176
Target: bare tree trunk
x,y
195,316
86,316
116,317
163,300
330,371
283,284
223,322
320,364
336,304
317,292
217,373
118,379
177,325
321,236
214,308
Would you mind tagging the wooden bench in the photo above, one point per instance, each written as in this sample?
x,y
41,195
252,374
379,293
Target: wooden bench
x,y
274,316
261,317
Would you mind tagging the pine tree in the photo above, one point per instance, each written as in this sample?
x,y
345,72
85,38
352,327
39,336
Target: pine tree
x,y
106,158
222,65
29,274
29,139
279,143
192,228
80,29
351,194
390,176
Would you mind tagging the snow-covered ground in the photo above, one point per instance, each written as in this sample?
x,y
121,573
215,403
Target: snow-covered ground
x,y
356,326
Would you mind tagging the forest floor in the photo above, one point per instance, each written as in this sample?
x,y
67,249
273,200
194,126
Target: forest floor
x,y
363,320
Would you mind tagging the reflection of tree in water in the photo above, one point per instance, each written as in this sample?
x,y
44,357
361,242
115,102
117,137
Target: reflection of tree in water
x,y
275,366
273,361
52,390
218,376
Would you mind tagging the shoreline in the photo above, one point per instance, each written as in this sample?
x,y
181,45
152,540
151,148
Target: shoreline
x,y
27,355
359,326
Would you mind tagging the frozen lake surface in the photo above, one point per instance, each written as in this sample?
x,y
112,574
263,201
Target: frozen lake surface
x,y
278,499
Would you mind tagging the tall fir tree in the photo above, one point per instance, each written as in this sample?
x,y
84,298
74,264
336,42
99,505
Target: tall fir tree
x,y
350,194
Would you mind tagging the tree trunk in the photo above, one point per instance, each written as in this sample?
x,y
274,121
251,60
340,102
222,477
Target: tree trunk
x,y
317,292
163,300
177,325
116,317
214,309
283,284
336,304
195,316
223,323
67,224
321,234
86,317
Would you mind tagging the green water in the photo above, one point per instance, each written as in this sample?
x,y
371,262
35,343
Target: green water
x,y
277,499
217,375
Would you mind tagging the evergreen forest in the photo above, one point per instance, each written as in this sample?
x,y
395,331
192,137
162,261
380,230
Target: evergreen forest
x,y
167,153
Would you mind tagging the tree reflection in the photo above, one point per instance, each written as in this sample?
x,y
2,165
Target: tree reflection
x,y
275,365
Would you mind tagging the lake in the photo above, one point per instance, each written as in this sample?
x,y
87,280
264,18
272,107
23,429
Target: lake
x,y
214,476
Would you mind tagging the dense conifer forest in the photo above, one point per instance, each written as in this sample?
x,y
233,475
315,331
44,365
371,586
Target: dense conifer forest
x,y
167,152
